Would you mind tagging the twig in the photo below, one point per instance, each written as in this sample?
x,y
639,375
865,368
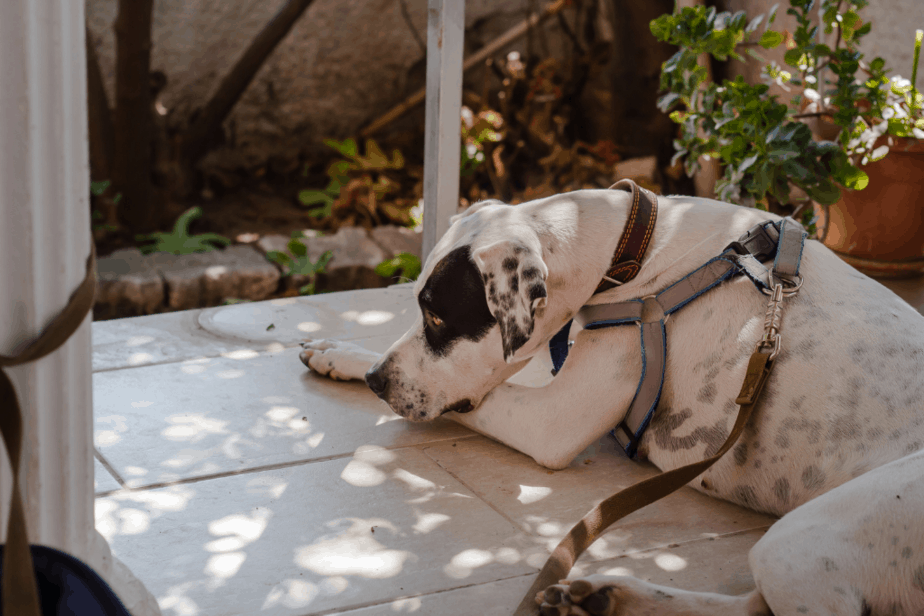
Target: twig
x,y
566,28
196,138
474,60
410,24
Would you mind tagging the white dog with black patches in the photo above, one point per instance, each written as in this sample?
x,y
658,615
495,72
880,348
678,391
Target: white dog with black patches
x,y
846,395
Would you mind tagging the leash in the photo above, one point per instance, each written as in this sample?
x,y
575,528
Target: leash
x,y
18,586
643,493
785,239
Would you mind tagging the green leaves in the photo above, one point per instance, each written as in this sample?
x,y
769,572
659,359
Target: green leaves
x,y
763,149
179,242
322,202
301,265
98,188
405,264
770,39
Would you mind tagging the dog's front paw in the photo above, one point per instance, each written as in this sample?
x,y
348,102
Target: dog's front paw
x,y
338,360
585,597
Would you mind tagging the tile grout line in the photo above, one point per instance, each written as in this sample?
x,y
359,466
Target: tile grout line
x,y
674,545
474,491
260,469
361,606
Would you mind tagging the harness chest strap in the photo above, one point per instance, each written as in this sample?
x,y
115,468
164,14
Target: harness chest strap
x,y
784,240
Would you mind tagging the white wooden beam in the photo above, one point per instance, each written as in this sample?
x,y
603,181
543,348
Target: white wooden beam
x,y
442,149
44,243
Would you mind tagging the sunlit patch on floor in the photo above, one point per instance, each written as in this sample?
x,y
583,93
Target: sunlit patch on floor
x,y
532,494
368,317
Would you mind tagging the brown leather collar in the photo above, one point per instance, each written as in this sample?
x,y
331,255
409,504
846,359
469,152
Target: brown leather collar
x,y
627,258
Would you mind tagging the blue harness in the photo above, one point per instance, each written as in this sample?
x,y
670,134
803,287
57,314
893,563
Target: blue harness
x,y
783,241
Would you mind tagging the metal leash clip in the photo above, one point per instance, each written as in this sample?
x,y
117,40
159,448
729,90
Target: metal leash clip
x,y
790,287
772,338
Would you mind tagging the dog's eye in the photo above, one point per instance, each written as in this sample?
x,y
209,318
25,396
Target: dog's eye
x,y
435,320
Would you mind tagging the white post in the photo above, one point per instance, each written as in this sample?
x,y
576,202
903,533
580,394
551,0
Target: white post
x,y
44,243
445,33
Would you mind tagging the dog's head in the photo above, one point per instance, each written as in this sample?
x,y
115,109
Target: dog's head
x,y
480,294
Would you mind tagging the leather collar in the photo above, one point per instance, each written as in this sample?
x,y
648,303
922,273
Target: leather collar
x,y
627,258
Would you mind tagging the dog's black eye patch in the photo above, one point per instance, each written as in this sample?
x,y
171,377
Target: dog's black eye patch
x,y
455,293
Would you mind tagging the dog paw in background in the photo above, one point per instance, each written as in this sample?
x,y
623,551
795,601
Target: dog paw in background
x,y
336,359
604,595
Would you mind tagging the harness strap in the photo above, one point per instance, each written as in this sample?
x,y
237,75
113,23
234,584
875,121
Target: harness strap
x,y
784,240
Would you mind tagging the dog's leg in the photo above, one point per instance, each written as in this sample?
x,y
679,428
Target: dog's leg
x,y
590,395
604,595
339,360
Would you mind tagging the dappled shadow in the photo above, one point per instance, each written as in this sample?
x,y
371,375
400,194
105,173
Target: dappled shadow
x,y
258,487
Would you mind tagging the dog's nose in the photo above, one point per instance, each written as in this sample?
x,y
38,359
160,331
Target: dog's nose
x,y
377,381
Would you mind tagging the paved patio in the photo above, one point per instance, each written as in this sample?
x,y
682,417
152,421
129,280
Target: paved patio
x,y
232,481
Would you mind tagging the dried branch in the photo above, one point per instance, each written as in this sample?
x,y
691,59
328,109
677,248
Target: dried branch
x,y
102,135
410,24
474,60
131,169
197,137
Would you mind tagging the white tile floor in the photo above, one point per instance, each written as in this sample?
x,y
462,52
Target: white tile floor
x,y
234,482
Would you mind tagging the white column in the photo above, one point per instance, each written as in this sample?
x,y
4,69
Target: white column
x,y
44,242
445,33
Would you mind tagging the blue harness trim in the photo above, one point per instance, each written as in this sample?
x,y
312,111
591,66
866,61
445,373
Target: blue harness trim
x,y
760,243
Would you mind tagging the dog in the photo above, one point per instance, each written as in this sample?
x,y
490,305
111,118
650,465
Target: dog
x,y
845,396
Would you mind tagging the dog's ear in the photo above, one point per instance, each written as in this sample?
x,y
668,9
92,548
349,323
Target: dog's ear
x,y
514,281
474,208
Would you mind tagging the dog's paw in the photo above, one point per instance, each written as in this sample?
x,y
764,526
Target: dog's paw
x,y
338,360
584,597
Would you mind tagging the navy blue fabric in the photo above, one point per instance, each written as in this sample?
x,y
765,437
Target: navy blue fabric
x,y
558,346
68,587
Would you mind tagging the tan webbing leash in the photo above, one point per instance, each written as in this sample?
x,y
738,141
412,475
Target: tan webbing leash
x,y
19,590
645,492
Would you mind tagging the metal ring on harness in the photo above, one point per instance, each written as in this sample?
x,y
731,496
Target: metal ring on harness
x,y
667,317
790,287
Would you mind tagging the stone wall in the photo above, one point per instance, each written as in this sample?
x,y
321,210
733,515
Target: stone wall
x,y
132,284
343,63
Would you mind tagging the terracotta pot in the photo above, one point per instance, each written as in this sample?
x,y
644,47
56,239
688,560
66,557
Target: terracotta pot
x,y
880,230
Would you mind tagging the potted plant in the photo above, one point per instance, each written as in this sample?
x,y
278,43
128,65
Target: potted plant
x,y
769,155
881,229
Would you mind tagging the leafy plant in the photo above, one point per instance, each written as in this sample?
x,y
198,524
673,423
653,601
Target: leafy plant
x,y
897,111
104,223
404,264
179,242
763,145
477,130
356,178
301,265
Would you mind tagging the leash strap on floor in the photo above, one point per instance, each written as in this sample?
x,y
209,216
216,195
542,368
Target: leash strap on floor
x,y
643,493
18,585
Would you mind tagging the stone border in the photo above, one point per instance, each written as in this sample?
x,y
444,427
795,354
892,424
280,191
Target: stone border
x,y
132,284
